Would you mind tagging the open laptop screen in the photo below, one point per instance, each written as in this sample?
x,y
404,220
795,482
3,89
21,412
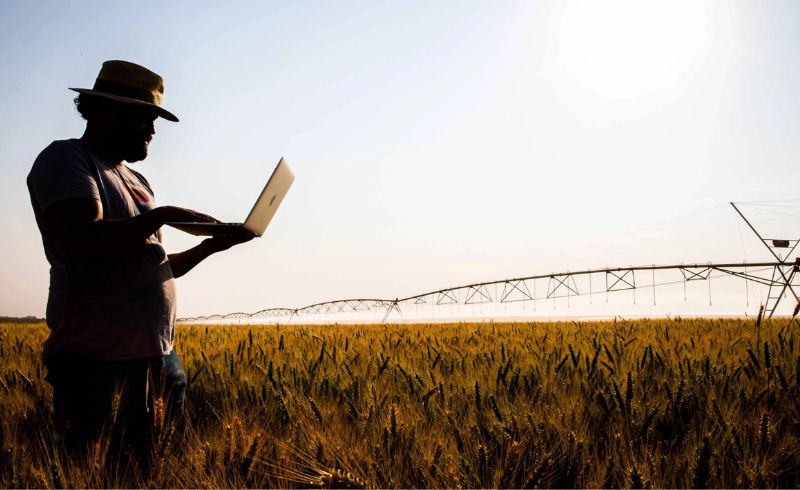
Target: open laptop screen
x,y
263,210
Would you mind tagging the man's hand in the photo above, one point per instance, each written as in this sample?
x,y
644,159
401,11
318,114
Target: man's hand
x,y
174,214
219,243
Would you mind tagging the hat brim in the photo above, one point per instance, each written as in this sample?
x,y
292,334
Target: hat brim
x,y
128,100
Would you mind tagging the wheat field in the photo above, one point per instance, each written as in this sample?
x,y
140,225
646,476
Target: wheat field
x,y
631,404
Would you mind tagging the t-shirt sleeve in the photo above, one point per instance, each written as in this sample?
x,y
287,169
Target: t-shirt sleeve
x,y
62,171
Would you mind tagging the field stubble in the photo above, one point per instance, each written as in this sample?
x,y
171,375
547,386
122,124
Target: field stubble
x,y
646,403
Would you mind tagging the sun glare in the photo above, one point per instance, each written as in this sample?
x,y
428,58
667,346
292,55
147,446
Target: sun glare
x,y
628,48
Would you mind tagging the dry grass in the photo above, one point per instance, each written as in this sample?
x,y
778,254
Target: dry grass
x,y
661,403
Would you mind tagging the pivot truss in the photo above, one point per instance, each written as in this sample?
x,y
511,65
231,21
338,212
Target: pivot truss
x,y
779,275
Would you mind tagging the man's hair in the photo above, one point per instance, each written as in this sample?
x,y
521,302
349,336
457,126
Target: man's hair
x,y
88,104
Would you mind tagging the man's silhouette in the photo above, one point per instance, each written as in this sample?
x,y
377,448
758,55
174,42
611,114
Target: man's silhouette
x,y
111,305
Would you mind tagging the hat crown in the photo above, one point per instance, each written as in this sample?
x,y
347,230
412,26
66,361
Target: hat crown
x,y
121,72
130,83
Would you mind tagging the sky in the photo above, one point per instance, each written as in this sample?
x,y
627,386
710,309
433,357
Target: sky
x,y
434,143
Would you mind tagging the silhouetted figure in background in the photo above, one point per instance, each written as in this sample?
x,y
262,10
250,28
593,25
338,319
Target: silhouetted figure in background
x,y
111,305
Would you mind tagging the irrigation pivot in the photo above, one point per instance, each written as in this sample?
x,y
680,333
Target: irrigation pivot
x,y
780,275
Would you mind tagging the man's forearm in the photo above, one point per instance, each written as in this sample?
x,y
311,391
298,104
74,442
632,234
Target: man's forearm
x,y
115,237
79,230
185,261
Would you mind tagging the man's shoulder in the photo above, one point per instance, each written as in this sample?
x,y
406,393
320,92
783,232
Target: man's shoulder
x,y
61,149
70,146
58,152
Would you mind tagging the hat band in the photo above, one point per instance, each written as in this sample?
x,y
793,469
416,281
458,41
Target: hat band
x,y
121,89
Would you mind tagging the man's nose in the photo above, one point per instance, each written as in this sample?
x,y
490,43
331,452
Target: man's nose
x,y
151,128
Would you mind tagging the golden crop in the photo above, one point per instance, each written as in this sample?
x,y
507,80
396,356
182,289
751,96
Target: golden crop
x,y
661,403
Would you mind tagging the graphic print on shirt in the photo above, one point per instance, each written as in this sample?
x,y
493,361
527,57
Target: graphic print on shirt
x,y
139,193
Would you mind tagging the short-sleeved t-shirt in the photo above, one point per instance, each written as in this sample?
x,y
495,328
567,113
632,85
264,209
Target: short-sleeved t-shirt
x,y
104,308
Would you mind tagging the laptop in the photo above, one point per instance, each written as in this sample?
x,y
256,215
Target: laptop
x,y
263,210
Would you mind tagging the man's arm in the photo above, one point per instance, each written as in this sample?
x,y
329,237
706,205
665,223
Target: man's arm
x,y
78,228
183,262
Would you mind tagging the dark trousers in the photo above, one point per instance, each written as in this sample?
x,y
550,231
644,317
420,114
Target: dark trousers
x,y
115,408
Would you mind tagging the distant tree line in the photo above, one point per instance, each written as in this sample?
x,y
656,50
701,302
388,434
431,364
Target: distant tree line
x,y
22,319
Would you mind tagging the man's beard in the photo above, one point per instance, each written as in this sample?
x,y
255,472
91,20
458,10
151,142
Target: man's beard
x,y
136,153
134,150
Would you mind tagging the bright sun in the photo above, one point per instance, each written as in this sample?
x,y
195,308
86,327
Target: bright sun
x,y
625,49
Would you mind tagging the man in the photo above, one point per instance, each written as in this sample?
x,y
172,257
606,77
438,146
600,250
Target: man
x,y
111,305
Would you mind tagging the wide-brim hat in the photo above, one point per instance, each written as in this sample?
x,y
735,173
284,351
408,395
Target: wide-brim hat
x,y
129,83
